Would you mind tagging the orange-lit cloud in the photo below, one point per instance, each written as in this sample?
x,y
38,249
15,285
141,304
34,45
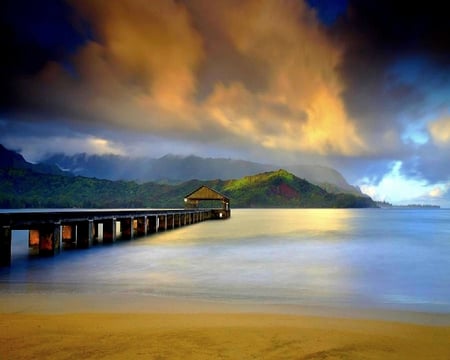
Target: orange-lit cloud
x,y
440,131
160,67
300,108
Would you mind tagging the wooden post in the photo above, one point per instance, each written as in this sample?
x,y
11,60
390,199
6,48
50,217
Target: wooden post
x,y
127,228
5,245
33,239
109,230
142,226
68,235
49,239
134,228
163,223
85,232
153,224
96,225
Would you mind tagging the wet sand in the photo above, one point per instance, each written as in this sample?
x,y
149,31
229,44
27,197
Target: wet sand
x,y
71,326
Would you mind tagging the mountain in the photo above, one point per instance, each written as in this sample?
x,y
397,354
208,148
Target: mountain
x,y
176,169
25,188
283,189
11,159
170,169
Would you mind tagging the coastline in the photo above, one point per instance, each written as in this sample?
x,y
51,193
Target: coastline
x,y
70,303
65,326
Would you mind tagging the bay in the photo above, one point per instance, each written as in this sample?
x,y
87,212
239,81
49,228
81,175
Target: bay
x,y
364,258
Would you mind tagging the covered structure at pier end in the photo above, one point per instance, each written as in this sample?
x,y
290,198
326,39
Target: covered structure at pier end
x,y
206,194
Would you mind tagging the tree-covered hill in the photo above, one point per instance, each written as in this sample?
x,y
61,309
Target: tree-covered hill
x,y
24,188
283,189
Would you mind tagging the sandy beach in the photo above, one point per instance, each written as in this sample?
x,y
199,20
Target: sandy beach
x,y
81,327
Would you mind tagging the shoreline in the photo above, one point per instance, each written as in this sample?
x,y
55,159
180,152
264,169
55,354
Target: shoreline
x,y
93,326
65,303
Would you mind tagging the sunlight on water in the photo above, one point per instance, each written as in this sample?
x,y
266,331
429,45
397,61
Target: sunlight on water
x,y
363,258
321,223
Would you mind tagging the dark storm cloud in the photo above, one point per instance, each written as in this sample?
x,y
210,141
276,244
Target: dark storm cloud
x,y
378,36
402,28
395,66
32,33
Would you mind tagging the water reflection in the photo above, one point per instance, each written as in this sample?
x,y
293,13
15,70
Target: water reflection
x,y
323,224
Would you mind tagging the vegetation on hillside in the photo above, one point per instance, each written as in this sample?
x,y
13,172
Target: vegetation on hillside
x,y
23,188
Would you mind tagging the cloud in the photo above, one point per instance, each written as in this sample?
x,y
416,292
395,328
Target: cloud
x,y
400,189
396,56
438,192
151,67
33,149
138,73
263,80
440,131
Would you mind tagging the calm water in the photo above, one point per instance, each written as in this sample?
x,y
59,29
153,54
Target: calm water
x,y
389,259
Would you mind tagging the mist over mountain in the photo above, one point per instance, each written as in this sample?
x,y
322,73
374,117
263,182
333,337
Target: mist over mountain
x,y
12,159
82,181
176,169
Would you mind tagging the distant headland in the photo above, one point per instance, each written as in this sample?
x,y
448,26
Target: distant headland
x,y
384,204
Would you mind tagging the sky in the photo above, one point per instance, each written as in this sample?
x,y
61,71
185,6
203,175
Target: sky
x,y
362,86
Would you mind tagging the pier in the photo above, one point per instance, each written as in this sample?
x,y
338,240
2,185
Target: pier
x,y
51,230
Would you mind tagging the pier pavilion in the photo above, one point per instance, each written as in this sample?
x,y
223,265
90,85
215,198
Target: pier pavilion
x,y
204,193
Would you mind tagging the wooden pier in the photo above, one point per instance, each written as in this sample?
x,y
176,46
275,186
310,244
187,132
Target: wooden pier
x,y
50,231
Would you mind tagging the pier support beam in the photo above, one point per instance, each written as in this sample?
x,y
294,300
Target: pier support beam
x,y
109,230
85,234
46,238
152,224
170,222
142,226
127,228
5,245
162,223
69,235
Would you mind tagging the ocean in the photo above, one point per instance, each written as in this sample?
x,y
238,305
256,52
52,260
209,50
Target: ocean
x,y
392,259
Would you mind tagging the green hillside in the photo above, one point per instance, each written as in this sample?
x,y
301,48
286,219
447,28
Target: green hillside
x,y
23,188
283,189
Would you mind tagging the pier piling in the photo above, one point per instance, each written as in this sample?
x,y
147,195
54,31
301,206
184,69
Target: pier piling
x,y
85,234
5,245
109,230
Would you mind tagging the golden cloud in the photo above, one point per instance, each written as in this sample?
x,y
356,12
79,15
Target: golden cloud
x,y
440,131
303,84
189,70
